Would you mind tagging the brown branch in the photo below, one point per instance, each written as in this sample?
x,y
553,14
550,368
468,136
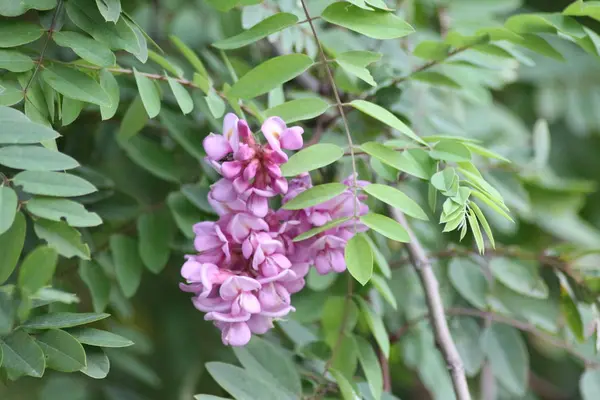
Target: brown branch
x,y
385,371
157,77
441,331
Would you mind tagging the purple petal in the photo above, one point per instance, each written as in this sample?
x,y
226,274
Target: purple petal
x,y
272,129
216,146
291,138
226,317
258,205
236,334
260,324
230,131
249,302
235,285
223,191
211,304
231,169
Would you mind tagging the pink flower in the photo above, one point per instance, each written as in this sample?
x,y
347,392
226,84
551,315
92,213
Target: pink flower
x,y
247,265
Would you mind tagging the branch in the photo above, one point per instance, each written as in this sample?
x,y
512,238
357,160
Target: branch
x,y
436,310
340,108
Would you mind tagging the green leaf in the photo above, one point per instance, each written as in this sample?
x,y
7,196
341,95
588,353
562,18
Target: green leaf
x,y
264,28
184,100
346,388
538,45
63,352
184,213
70,110
10,93
485,152
476,231
187,137
17,33
63,238
396,199
299,109
508,357
492,204
37,269
315,195
166,64
469,281
97,337
111,87
128,264
386,226
149,93
97,366
430,50
466,334
215,103
589,383
332,316
541,143
110,9
379,259
380,284
311,158
53,183
22,356
154,158
61,209
445,180
189,55
354,62
85,47
376,326
156,231
375,24
11,244
10,8
35,158
15,61
486,227
134,120
18,129
451,151
198,195
269,75
370,366
569,310
435,78
359,258
61,320
266,361
383,115
98,284
315,231
242,385
520,276
75,84
8,208
394,159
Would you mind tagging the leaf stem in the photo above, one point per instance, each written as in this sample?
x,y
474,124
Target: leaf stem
x,y
340,107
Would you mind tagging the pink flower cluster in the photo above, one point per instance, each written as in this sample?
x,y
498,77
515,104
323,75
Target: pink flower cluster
x,y
247,264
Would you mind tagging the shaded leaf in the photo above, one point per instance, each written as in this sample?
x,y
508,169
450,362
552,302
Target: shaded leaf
x,y
396,199
383,115
64,239
35,158
63,352
61,209
359,258
310,158
22,356
315,195
148,93
11,244
8,208
128,265
63,320
75,84
53,183
37,269
85,47
264,28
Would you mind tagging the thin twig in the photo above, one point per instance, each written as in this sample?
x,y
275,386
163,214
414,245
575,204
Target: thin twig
x,y
340,107
385,371
436,310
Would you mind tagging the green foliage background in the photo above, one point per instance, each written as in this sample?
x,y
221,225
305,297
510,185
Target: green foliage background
x,y
526,87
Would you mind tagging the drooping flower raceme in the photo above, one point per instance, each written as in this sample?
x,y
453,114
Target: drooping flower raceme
x,y
248,265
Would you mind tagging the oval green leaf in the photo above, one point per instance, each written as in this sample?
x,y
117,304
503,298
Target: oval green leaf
x,y
63,238
376,24
311,158
269,75
85,47
383,115
299,109
264,28
156,230
11,244
315,195
386,226
15,61
75,84
149,93
396,199
359,258
63,320
184,100
99,338
8,208
128,264
53,183
37,269
17,33
22,356
63,352
97,366
61,209
35,158
319,229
